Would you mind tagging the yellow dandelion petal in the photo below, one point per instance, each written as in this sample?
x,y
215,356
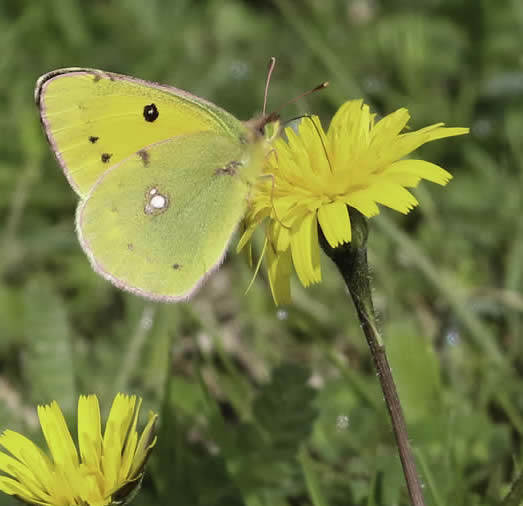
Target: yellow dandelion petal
x,y
391,195
335,223
145,444
71,478
15,488
130,445
250,224
420,169
406,143
348,134
294,159
90,431
402,178
128,456
57,435
246,236
389,126
25,451
280,237
348,121
116,429
306,251
22,472
284,208
90,486
279,268
361,201
311,133
282,153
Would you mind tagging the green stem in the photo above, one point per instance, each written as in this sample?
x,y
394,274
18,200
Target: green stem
x,y
515,495
351,260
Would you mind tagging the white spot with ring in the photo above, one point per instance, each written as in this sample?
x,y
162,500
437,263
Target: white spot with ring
x,y
158,202
155,202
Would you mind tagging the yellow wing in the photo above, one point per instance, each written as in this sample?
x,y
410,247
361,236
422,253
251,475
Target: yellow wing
x,y
95,119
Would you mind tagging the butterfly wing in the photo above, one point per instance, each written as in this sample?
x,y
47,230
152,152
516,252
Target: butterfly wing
x,y
158,222
95,119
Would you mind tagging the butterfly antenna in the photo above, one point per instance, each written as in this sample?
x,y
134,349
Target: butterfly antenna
x,y
302,95
272,64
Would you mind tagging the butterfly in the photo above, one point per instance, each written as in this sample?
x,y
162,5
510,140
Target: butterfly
x,y
163,176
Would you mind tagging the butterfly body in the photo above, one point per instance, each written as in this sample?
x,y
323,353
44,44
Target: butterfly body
x,y
162,176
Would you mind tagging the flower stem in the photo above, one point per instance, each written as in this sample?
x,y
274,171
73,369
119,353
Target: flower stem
x,y
351,260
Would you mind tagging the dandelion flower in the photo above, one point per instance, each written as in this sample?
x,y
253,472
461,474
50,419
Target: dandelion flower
x,y
315,177
105,470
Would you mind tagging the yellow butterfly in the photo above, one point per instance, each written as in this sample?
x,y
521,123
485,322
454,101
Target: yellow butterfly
x,y
162,176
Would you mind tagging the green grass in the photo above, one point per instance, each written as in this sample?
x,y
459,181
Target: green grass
x,y
240,423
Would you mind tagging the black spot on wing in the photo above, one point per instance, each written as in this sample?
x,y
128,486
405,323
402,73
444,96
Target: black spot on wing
x,y
176,266
229,169
93,139
150,113
106,157
144,155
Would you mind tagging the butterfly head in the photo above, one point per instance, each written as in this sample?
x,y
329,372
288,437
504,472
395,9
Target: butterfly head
x,y
266,127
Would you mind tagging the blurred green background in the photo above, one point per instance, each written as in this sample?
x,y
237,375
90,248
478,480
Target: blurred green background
x,y
260,405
